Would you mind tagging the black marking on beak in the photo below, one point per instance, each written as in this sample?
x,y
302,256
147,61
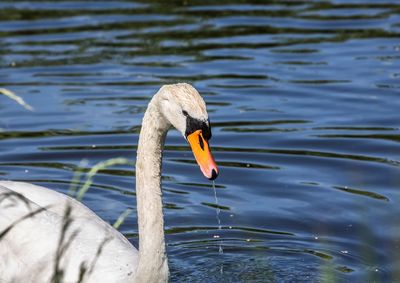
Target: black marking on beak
x,y
193,125
201,143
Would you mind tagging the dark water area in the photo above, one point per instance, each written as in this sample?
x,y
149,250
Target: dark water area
x,y
304,99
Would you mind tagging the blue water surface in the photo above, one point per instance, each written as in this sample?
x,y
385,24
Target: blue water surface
x,y
303,97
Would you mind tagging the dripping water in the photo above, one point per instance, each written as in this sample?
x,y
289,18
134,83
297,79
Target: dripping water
x,y
218,210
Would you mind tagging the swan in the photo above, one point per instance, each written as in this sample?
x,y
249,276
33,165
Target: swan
x,y
46,236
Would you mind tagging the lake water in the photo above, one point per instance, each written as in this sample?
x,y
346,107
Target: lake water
x,y
304,101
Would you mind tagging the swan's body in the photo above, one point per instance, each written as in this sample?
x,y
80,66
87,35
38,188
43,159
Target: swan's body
x,y
28,251
45,234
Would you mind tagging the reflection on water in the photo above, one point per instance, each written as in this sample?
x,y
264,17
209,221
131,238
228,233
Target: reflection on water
x,y
303,99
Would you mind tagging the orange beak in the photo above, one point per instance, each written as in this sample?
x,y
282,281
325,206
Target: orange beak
x,y
203,155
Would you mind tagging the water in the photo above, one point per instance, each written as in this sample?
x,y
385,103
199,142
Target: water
x,y
304,101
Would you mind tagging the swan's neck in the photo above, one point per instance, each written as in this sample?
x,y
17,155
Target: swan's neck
x,y
153,264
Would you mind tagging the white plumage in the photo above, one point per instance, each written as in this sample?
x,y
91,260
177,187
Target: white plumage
x,y
28,250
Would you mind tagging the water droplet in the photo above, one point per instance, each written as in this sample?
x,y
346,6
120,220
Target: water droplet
x,y
218,210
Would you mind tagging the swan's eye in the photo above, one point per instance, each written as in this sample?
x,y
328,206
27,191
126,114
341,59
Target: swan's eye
x,y
185,113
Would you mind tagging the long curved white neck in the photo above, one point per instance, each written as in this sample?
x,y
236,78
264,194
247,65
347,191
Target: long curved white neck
x,y
153,264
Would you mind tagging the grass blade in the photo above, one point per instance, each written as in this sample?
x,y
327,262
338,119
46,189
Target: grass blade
x,y
16,98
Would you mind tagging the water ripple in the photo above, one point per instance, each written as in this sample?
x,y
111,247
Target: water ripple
x,y
303,102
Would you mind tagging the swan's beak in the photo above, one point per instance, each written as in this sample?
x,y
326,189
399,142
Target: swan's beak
x,y
203,155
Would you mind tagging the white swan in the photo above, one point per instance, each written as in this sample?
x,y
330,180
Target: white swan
x,y
40,239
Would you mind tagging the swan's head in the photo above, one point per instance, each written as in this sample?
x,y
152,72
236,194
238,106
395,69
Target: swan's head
x,y
182,105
